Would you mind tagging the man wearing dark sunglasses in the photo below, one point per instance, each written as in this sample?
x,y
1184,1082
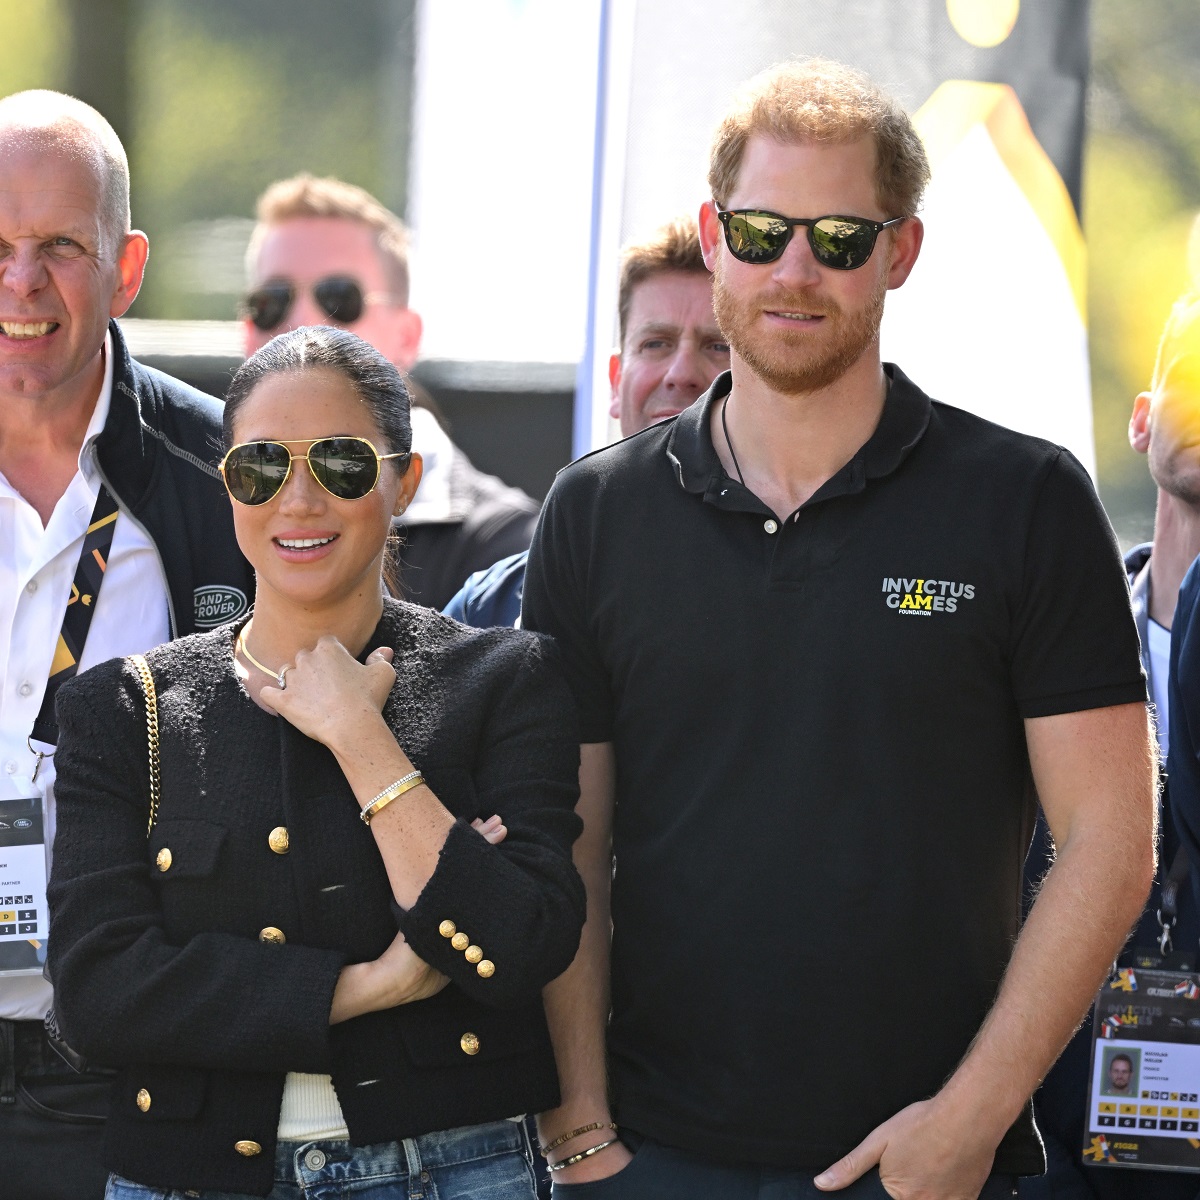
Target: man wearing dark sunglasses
x,y
827,637
115,536
325,252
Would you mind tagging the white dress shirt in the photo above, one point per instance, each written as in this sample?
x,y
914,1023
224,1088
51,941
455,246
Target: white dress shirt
x,y
37,568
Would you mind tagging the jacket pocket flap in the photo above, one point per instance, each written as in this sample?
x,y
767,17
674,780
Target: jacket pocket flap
x,y
455,1031
158,1093
185,849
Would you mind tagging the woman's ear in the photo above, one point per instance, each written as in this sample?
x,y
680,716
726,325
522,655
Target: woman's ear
x,y
408,484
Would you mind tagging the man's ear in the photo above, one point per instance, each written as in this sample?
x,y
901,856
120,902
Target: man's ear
x,y
1139,422
907,238
614,381
710,233
406,337
131,266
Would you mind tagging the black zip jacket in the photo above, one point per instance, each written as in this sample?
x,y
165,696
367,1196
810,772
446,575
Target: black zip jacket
x,y
158,454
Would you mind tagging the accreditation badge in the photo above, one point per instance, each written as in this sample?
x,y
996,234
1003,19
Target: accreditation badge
x,y
24,915
1144,1090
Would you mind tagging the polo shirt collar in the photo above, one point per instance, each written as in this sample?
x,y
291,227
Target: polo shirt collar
x,y
906,412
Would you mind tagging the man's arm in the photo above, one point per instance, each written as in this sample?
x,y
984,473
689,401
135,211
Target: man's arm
x,y
1095,775
577,1001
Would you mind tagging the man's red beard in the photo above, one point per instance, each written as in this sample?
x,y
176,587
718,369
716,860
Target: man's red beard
x,y
806,361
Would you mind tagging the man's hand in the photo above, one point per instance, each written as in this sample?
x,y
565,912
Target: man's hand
x,y
924,1152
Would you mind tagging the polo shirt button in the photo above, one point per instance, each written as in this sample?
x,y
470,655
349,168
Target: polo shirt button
x,y
771,525
314,1160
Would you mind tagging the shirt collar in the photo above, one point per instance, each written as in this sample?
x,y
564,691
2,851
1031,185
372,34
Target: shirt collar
x,y
88,467
906,412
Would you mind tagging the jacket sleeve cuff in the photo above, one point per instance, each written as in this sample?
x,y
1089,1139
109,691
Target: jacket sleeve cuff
x,y
469,897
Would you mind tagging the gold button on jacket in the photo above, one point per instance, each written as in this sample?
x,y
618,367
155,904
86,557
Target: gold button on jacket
x,y
277,839
469,1043
163,860
247,1149
486,969
447,929
272,935
143,1100
460,941
472,954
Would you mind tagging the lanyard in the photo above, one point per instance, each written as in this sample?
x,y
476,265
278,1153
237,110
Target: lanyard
x,y
77,620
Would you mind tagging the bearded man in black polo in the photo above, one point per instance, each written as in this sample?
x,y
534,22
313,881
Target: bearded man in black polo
x,y
829,639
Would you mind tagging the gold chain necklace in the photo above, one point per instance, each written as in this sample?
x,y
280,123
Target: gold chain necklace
x,y
244,651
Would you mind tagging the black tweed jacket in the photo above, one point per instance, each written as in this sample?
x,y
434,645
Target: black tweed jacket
x,y
162,972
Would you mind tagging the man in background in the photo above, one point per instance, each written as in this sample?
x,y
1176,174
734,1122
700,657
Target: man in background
x,y
116,536
1164,426
326,252
669,351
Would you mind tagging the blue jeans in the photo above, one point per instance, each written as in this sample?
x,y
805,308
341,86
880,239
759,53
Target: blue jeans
x,y
478,1162
659,1172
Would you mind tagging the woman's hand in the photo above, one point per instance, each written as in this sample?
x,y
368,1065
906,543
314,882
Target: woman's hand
x,y
330,696
397,976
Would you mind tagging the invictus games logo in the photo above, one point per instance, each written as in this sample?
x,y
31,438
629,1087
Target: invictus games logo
x,y
217,603
924,597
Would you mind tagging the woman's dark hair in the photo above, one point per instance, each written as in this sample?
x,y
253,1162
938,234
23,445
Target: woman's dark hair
x,y
375,380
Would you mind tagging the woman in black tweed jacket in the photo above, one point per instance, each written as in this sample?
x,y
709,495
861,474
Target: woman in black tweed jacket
x,y
263,940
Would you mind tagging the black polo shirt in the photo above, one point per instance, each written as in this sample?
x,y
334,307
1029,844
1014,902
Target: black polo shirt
x,y
822,810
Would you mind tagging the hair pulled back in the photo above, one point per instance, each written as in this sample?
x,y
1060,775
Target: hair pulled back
x,y
375,380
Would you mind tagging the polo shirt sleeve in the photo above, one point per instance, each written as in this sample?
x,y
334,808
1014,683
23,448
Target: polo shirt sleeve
x,y
555,602
1074,642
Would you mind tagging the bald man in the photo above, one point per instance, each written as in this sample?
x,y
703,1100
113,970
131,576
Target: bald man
x,y
116,536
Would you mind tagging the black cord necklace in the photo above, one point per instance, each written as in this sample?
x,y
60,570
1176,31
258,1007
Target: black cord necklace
x,y
729,442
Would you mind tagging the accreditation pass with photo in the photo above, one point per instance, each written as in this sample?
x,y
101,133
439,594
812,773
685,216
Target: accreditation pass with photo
x,y
24,917
1144,1090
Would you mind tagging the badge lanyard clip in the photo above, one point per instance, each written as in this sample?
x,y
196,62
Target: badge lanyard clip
x,y
1168,910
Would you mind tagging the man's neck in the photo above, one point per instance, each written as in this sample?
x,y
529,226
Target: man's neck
x,y
41,436
787,446
1176,545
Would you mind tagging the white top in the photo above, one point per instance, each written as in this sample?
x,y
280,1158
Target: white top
x,y
1160,665
37,568
310,1110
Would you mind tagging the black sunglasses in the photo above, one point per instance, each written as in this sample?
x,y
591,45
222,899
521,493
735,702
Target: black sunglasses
x,y
842,243
346,467
340,297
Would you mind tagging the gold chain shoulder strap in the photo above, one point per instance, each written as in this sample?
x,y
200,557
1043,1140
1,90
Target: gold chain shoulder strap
x,y
143,669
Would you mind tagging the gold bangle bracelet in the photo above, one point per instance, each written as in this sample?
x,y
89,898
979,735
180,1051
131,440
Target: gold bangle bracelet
x,y
570,1162
393,791
566,1137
